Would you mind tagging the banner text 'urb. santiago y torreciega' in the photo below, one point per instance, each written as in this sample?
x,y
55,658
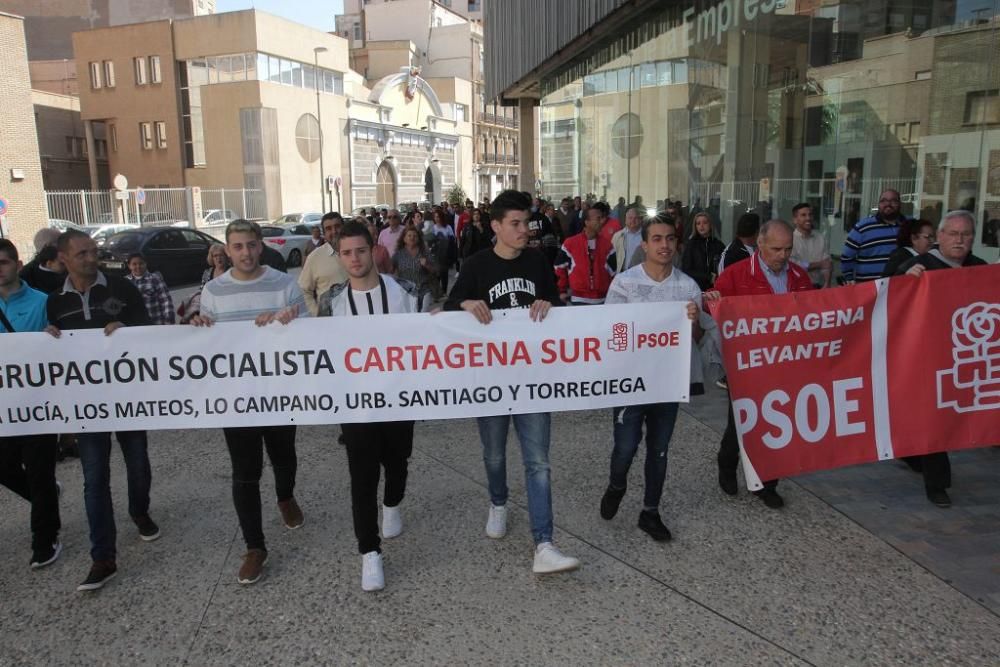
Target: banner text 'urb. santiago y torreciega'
x,y
338,369
898,367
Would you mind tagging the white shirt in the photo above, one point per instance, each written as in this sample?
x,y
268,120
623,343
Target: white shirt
x,y
635,286
371,302
809,249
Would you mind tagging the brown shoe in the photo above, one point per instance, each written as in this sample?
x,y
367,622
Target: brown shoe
x,y
291,513
253,566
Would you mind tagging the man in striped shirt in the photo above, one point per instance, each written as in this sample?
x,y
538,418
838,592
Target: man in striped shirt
x,y
871,241
250,291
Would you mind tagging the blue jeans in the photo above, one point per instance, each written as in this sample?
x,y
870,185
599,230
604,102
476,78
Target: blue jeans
x,y
95,456
660,419
533,433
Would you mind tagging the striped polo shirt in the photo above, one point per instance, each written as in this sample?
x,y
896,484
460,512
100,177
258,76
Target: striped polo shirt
x,y
868,247
227,299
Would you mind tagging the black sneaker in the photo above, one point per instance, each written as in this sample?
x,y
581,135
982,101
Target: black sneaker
x,y
46,556
727,482
100,573
770,498
610,501
148,530
651,524
939,497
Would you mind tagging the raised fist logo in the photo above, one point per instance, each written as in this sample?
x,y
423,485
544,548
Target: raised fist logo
x,y
973,383
619,337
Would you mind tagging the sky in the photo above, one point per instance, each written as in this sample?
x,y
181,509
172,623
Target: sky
x,y
316,14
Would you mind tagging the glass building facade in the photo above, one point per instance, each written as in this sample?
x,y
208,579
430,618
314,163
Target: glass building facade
x,y
756,105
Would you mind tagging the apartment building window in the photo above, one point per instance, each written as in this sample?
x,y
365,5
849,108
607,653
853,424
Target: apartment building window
x,y
155,71
357,32
161,134
113,135
982,107
461,113
109,73
139,67
95,75
146,136
101,148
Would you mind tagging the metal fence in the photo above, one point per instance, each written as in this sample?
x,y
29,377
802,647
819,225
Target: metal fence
x,y
160,206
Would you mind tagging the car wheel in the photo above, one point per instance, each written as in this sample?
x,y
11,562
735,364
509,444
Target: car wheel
x,y
294,258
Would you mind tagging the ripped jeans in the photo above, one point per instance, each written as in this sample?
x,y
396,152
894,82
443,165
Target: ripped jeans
x,y
659,419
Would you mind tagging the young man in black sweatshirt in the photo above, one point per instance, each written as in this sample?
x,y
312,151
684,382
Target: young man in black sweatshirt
x,y
514,276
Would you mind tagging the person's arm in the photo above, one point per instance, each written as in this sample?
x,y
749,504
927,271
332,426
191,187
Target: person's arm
x,y
616,292
134,313
464,289
561,268
307,284
165,302
546,288
848,255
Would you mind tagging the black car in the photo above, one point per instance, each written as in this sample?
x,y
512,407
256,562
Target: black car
x,y
180,255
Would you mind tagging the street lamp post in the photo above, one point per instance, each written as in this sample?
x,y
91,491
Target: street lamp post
x,y
319,122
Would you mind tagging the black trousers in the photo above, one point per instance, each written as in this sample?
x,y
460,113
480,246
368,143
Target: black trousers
x,y
246,451
371,447
28,468
729,451
935,467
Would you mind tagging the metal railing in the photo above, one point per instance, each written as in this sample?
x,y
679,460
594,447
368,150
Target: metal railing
x,y
159,207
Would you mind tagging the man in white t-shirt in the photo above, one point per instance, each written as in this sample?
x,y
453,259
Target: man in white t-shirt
x,y
372,446
250,291
810,250
656,280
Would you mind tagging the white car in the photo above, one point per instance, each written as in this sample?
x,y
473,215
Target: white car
x,y
63,225
289,240
310,219
219,216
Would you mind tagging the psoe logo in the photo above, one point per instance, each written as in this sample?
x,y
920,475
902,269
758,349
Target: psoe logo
x,y
973,382
619,337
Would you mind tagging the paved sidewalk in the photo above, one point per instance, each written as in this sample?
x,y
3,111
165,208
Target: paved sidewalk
x,y
738,585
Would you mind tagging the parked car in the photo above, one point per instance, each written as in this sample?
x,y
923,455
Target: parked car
x,y
312,218
161,219
100,233
219,216
289,240
178,254
63,225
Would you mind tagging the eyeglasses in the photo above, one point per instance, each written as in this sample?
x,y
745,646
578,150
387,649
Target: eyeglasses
x,y
958,235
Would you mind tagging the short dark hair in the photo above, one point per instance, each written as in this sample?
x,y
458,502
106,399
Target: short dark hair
x,y
748,226
67,237
351,229
799,207
603,208
332,215
8,248
243,226
660,219
46,255
509,200
133,256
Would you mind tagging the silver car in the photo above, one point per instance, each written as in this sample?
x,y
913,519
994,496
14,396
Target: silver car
x,y
290,240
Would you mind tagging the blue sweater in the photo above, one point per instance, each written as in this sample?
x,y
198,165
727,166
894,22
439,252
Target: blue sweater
x,y
25,309
868,247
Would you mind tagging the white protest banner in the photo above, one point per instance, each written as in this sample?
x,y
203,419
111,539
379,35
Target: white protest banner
x,y
344,369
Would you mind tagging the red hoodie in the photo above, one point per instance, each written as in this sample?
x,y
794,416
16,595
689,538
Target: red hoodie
x,y
585,274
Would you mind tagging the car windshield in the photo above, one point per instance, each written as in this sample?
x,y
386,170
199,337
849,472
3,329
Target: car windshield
x,y
272,231
124,242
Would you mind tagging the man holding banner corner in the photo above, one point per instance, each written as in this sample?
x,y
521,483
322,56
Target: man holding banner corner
x,y
767,271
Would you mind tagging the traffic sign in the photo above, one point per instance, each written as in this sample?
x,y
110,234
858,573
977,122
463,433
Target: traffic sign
x,y
140,196
3,206
122,196
338,182
120,182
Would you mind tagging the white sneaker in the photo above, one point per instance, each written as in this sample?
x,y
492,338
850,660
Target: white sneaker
x,y
496,525
392,522
372,577
548,560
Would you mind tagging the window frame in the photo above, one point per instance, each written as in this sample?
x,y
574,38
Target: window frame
x,y
146,135
139,71
160,133
95,75
155,69
108,68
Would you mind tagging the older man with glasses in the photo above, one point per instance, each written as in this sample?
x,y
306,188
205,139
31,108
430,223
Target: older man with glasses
x,y
389,236
872,240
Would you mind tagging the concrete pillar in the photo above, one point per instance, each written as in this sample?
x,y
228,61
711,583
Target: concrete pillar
x,y
88,130
526,145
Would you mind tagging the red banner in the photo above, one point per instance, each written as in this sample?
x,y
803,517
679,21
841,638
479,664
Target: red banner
x,y
881,370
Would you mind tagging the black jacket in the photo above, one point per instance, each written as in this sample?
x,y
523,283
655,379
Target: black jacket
x,y
701,259
734,252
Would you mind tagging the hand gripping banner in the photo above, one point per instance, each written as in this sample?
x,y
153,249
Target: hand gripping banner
x,y
344,369
898,367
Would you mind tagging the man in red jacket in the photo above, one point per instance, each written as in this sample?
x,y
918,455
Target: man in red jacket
x,y
767,271
582,271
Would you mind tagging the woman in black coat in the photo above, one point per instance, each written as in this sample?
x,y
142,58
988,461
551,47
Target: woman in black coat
x,y
701,252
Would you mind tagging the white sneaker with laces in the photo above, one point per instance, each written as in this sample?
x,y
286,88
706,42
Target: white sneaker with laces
x,y
496,524
372,577
392,522
549,560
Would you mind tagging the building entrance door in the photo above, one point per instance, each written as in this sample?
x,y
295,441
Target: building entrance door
x,y
385,185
